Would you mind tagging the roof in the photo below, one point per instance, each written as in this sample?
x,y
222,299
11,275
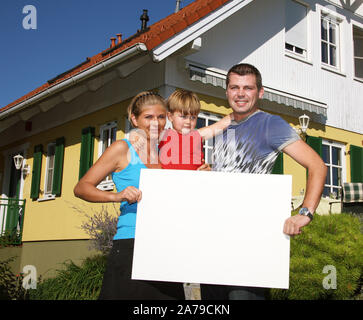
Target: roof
x,y
152,37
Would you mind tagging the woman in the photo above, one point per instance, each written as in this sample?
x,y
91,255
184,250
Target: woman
x,y
147,112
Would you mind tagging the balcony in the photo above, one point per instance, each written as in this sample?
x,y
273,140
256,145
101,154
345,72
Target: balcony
x,y
11,221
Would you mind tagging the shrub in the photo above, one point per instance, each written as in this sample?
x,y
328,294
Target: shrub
x,y
11,285
333,240
101,226
73,282
10,238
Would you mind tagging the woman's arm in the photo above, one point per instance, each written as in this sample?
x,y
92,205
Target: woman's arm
x,y
113,159
216,128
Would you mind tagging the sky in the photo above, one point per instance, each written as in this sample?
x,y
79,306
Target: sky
x,y
65,34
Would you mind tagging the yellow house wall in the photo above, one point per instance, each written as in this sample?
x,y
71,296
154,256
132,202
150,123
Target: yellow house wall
x,y
57,219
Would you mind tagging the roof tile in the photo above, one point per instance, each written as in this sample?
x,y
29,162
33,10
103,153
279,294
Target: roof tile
x,y
179,26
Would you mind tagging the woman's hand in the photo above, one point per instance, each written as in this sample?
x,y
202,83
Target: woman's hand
x,y
129,194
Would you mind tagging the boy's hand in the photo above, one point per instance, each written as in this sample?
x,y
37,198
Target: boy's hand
x,y
205,167
137,139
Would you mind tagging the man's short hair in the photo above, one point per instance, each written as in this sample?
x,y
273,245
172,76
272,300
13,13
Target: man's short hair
x,y
243,69
183,101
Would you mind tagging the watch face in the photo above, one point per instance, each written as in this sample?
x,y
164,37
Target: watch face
x,y
306,212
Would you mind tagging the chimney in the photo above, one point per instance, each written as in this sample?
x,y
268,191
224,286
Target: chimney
x,y
113,42
177,8
119,38
144,19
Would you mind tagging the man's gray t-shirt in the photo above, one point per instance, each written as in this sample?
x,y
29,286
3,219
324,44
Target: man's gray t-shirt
x,y
252,145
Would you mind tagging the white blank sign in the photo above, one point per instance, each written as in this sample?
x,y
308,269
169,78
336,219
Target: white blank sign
x,y
213,227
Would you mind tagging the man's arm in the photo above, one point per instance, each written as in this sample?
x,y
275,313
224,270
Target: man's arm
x,y
308,158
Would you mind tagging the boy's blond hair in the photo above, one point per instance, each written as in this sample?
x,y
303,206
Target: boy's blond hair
x,y
183,101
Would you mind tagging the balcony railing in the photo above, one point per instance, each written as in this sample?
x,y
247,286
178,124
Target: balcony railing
x,y
11,220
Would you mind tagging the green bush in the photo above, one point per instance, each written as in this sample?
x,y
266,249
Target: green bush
x,y
11,285
9,239
333,240
73,282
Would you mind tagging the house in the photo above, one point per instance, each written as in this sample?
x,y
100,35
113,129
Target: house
x,y
310,54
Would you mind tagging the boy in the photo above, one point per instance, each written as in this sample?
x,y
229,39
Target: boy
x,y
182,146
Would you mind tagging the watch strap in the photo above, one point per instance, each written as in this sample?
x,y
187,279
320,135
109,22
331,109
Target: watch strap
x,y
306,212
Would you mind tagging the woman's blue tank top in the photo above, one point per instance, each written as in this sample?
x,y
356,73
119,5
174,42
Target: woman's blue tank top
x,y
129,176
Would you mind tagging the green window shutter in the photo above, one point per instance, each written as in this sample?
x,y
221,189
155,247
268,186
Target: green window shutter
x,y
37,167
356,164
87,146
316,143
279,164
58,167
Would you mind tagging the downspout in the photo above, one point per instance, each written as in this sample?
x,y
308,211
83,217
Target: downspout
x,y
102,66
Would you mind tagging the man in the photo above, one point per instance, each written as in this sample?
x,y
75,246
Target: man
x,y
257,139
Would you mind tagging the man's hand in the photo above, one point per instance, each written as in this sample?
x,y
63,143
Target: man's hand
x,y
293,225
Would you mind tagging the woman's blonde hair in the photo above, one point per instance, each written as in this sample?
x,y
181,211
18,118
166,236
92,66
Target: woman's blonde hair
x,y
140,100
184,101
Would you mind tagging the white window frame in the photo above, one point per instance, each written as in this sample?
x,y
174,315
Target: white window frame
x,y
206,147
128,128
356,57
330,166
306,55
48,193
332,18
107,184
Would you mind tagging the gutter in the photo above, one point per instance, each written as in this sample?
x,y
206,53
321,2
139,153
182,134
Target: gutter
x,y
101,66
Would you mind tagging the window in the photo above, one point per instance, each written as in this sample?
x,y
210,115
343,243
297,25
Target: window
x,y
333,154
107,137
329,41
358,52
49,171
296,27
53,170
206,119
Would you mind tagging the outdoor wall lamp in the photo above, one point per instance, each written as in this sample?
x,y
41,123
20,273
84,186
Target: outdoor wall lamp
x,y
19,164
304,124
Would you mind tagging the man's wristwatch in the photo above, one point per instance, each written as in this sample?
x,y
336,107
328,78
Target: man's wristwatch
x,y
306,212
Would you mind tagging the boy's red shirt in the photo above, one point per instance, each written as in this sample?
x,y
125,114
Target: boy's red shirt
x,y
181,151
